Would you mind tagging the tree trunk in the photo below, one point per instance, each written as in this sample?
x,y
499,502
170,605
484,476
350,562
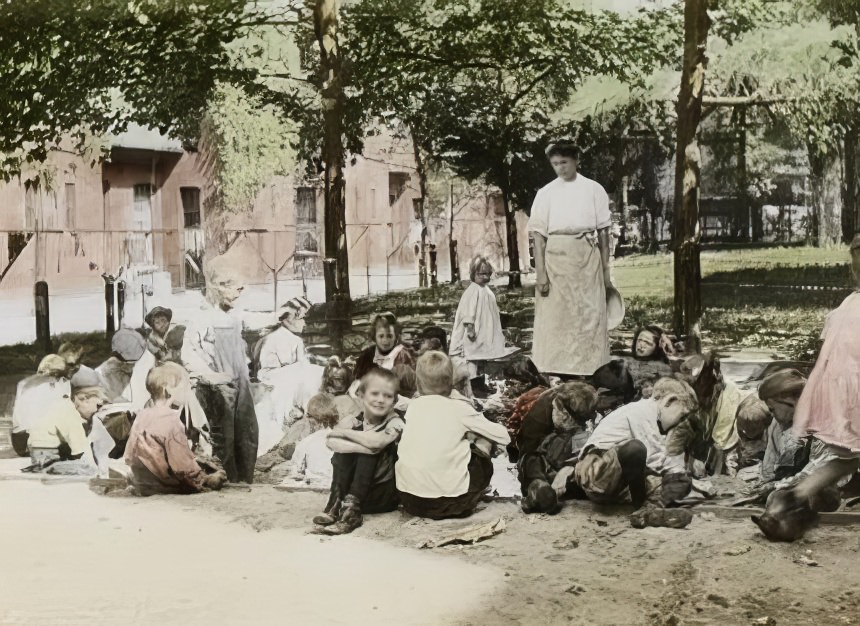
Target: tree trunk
x,y
452,243
336,261
650,183
849,187
742,228
514,278
826,210
420,208
686,240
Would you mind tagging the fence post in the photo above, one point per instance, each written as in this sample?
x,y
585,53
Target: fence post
x,y
43,317
120,300
110,326
434,278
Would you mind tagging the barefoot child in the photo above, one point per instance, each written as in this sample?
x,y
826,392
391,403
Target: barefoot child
x,y
477,335
157,451
363,460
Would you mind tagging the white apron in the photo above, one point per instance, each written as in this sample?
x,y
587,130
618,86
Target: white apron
x,y
570,335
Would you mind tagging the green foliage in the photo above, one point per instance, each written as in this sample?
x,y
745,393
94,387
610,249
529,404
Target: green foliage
x,y
478,81
90,67
253,144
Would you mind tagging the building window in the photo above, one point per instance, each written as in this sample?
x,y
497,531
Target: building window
x,y
142,218
308,243
71,206
396,186
191,206
31,204
306,205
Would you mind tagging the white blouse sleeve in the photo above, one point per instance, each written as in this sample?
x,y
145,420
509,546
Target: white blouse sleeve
x,y
539,218
602,216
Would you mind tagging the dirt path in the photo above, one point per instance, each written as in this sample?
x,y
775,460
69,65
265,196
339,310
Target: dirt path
x,y
71,557
163,559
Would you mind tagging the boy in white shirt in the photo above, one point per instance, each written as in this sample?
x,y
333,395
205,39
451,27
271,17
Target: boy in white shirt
x,y
439,473
628,446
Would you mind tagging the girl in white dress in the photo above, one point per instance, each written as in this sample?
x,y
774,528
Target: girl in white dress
x,y
477,335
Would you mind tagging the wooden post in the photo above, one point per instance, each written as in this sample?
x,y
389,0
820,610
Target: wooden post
x,y
110,326
43,317
687,235
120,300
336,252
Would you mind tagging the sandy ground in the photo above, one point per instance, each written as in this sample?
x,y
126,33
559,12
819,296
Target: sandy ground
x,y
242,557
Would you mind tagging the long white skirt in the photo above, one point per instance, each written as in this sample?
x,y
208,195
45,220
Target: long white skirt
x,y
570,335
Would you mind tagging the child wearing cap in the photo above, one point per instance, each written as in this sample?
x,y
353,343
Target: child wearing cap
x,y
59,434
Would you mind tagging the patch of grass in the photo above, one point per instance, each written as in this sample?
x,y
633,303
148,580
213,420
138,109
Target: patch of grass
x,y
24,357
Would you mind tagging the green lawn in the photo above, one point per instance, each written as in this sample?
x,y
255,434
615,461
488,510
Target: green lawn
x,y
772,299
753,300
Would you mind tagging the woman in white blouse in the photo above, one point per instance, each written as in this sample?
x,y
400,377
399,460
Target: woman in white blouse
x,y
570,224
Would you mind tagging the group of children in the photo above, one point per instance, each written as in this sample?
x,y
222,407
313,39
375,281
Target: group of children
x,y
400,426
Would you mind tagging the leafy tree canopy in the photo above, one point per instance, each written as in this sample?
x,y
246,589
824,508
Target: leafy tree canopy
x,y
91,67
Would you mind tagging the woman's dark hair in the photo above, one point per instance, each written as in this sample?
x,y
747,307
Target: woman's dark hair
x,y
659,354
562,148
615,376
525,371
438,333
388,321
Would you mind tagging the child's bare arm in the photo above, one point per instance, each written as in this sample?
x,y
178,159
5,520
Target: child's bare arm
x,y
344,446
372,440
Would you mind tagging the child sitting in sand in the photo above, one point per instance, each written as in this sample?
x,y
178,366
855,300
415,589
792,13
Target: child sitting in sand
x,y
157,451
363,459
439,472
387,350
311,460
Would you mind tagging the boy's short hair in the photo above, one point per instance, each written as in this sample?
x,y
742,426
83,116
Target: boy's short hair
x,y
616,377
753,417
435,374
785,384
438,334
666,387
380,374
163,380
52,365
322,409
578,399
388,320
477,263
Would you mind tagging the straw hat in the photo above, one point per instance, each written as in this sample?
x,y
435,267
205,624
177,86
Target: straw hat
x,y
159,310
614,308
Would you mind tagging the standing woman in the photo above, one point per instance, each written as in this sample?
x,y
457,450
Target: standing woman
x,y
570,333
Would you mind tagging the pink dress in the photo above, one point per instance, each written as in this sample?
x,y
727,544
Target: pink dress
x,y
829,407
